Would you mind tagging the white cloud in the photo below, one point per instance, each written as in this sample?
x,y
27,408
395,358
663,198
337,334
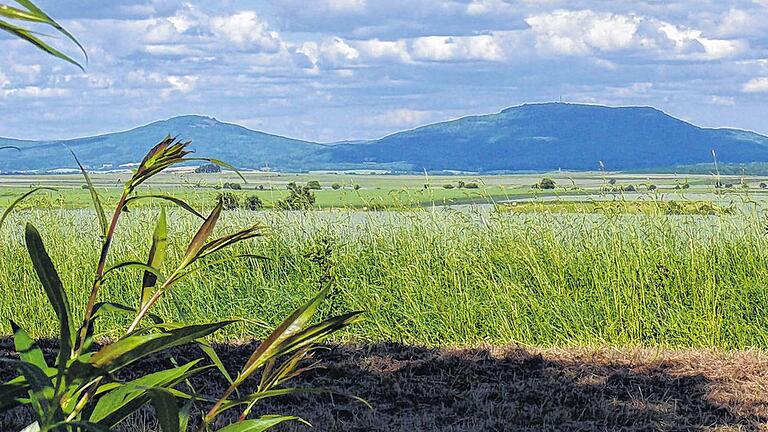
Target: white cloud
x,y
338,51
447,48
378,49
4,81
580,32
246,29
583,32
739,22
756,85
183,84
693,43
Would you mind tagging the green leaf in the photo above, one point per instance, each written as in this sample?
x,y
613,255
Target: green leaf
x,y
166,409
54,289
184,415
134,264
11,393
174,200
111,307
121,399
132,348
40,385
94,197
221,164
258,425
211,353
292,325
28,36
198,241
18,201
156,257
50,21
27,347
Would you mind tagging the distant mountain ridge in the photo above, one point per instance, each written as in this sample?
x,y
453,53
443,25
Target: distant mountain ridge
x,y
532,137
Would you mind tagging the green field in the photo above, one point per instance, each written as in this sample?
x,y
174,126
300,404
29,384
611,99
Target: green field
x,y
440,276
369,191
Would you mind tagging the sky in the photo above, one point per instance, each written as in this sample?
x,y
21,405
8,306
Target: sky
x,y
331,70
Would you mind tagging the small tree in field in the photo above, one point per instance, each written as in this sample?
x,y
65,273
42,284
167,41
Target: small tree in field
x,y
228,200
545,183
254,203
299,198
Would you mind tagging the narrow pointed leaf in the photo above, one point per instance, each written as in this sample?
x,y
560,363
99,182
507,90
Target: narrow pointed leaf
x,y
166,409
258,425
156,257
50,21
132,348
54,289
179,202
27,348
28,36
121,399
94,197
292,325
198,241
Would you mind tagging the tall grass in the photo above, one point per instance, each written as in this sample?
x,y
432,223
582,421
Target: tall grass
x,y
442,277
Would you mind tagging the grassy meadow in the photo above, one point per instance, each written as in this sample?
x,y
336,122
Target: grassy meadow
x,y
615,272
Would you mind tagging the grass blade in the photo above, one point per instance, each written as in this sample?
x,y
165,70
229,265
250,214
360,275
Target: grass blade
x,y
94,197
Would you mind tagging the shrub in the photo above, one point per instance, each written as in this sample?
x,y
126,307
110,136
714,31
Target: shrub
x,y
336,186
652,187
228,200
545,183
461,184
612,181
448,186
763,185
628,188
472,185
208,169
254,203
88,396
314,185
233,186
299,198
356,187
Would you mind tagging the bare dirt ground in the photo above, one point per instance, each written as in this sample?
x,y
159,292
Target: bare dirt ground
x,y
508,389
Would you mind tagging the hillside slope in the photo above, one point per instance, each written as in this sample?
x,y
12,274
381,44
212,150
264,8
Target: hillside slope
x,y
558,136
535,137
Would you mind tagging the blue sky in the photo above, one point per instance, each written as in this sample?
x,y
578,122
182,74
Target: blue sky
x,y
329,70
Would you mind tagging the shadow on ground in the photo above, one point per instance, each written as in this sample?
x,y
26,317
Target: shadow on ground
x,y
504,389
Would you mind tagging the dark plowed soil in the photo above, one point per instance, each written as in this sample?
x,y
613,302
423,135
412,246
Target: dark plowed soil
x,y
511,389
